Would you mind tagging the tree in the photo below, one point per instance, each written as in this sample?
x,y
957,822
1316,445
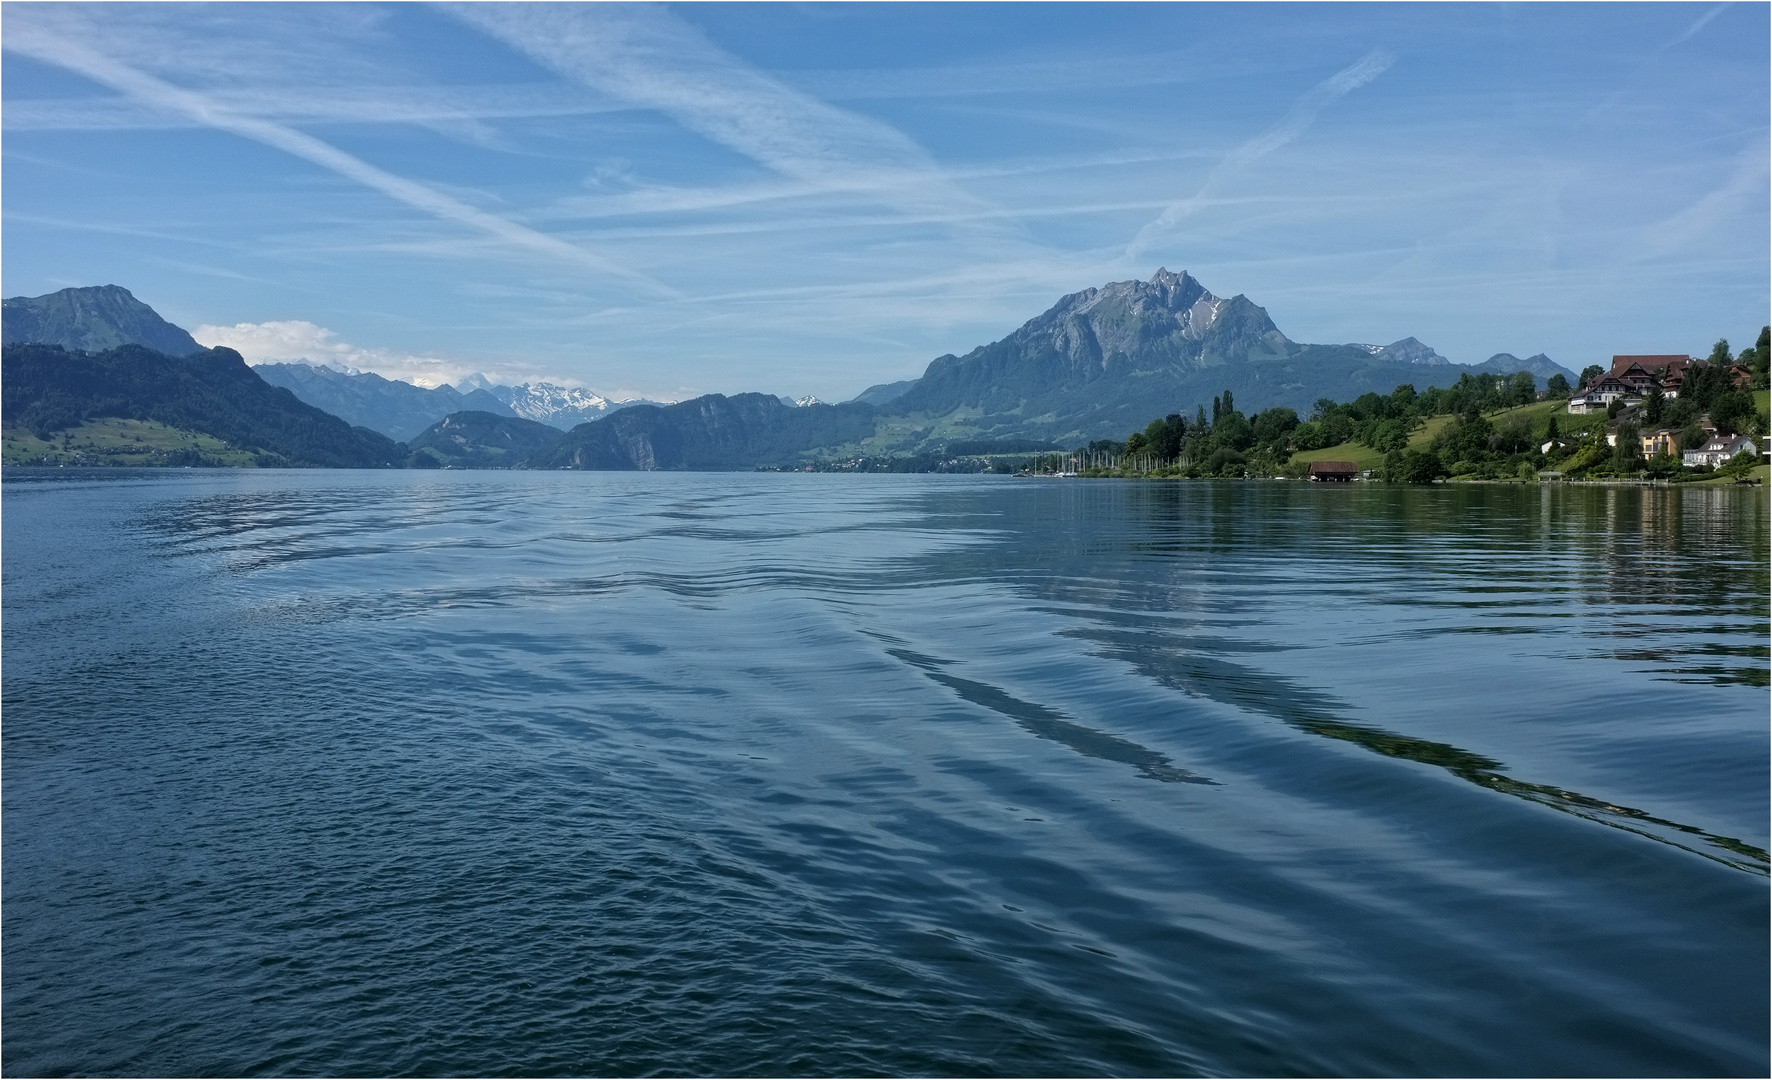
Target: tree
x,y
1522,388
1654,405
1556,386
1515,438
1732,411
1590,373
1703,382
1273,425
1550,430
1413,467
1719,353
1627,452
1388,435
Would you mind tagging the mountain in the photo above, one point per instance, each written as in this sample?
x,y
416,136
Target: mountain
x,y
1407,351
563,407
712,432
1541,366
47,388
480,440
882,393
1103,361
91,319
397,409
401,410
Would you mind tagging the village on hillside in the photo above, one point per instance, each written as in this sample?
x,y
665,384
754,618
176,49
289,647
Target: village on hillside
x,y
1641,397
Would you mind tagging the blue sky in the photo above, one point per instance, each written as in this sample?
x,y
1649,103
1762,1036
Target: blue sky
x,y
810,199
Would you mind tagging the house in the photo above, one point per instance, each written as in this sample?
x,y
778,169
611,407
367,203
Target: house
x,y
1600,393
1661,441
1718,450
1339,472
1741,377
1666,370
1637,377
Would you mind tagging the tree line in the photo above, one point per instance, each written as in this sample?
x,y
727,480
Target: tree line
x,y
1230,444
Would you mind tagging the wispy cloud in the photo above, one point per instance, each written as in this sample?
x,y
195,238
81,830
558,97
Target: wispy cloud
x,y
311,104
649,57
23,36
1698,24
1745,186
1299,118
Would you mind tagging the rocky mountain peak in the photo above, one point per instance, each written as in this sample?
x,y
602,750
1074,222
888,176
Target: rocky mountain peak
x,y
91,319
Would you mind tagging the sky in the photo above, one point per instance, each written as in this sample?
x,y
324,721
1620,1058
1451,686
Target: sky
x,y
810,199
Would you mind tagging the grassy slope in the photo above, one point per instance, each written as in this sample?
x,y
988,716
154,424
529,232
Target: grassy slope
x,y
1363,457
1537,414
1763,474
114,441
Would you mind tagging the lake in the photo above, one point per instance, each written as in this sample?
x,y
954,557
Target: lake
x,y
732,774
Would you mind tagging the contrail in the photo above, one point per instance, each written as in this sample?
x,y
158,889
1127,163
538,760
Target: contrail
x,y
154,91
1300,117
1687,33
651,58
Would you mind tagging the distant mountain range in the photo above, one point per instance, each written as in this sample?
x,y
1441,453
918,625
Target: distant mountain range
x,y
1099,364
712,432
1541,366
401,410
397,409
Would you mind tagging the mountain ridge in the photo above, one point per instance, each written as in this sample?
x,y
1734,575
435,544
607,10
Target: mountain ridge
x,y
47,388
1103,360
709,432
92,318
401,410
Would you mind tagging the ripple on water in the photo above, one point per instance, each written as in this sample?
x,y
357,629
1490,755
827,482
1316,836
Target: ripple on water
x,y
738,774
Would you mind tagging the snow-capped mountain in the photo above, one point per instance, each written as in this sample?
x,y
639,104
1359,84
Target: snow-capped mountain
x,y
563,407
401,410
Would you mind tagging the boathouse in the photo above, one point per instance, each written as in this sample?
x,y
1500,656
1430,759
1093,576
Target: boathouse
x,y
1339,472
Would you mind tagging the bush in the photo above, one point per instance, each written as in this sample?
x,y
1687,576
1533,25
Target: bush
x,y
1740,465
1222,462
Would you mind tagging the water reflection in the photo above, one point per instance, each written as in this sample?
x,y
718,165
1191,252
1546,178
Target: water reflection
x,y
1173,580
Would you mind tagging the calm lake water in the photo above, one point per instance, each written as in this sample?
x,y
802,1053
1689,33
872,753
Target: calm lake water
x,y
518,773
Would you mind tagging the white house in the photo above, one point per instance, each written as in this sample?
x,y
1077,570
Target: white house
x,y
1718,450
1600,393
